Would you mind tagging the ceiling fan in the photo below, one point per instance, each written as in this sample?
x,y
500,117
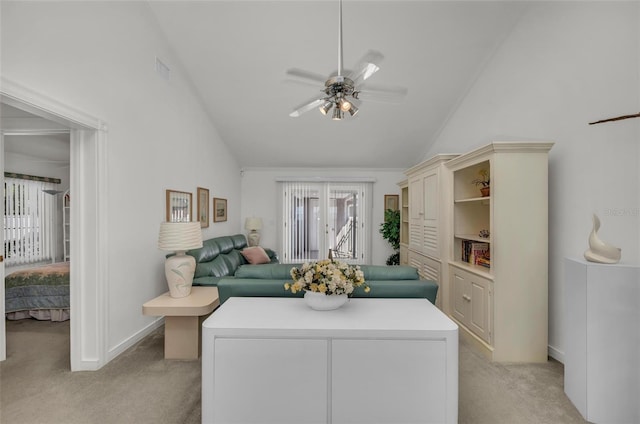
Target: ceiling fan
x,y
343,93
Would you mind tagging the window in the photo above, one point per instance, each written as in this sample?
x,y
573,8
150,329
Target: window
x,y
29,212
317,217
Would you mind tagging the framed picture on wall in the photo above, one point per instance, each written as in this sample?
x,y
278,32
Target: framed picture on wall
x,y
391,201
203,207
178,206
219,209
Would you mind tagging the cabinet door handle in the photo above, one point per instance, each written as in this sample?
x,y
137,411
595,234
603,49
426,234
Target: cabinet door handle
x,y
466,297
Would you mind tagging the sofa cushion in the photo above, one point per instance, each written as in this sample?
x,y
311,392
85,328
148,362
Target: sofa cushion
x,y
256,287
255,255
224,243
252,287
266,271
233,259
208,281
396,272
399,289
218,267
207,252
239,241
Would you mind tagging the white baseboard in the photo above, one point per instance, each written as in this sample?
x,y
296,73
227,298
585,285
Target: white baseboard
x,y
135,338
556,354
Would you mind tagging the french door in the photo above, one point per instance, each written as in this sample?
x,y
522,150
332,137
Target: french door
x,y
317,217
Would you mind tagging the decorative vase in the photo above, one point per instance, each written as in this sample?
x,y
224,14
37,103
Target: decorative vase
x,y
323,302
486,191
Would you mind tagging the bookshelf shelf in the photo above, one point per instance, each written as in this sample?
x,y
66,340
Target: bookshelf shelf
x,y
472,237
476,269
484,200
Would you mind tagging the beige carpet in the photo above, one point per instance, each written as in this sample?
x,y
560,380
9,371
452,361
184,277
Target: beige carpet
x,y
140,386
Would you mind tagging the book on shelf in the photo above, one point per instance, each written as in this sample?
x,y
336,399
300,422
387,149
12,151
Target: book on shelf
x,y
485,262
476,253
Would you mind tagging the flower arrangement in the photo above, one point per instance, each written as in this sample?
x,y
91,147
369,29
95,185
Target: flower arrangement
x,y
328,277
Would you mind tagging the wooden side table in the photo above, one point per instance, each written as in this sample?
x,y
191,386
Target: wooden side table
x,y
183,320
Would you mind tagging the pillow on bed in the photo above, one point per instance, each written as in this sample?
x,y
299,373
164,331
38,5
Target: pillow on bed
x,y
255,255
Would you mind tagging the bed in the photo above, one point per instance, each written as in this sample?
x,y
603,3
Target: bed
x,y
41,293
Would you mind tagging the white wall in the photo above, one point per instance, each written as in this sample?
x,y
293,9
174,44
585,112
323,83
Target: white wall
x,y
260,196
564,65
99,57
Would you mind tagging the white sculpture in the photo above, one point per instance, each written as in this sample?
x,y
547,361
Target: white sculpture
x,y
598,250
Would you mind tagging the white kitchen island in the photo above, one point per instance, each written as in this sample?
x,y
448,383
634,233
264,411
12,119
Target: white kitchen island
x,y
275,360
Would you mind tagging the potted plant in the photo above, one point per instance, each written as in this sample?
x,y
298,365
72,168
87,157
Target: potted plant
x,y
484,182
390,230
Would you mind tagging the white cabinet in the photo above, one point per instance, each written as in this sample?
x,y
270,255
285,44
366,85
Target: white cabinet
x,y
602,340
274,360
388,367
428,269
425,205
428,194
269,372
472,302
499,294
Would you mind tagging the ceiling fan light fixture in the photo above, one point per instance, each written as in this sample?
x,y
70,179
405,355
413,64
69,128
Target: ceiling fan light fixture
x,y
326,107
345,105
340,91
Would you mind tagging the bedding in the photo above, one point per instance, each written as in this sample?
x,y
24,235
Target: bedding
x,y
41,293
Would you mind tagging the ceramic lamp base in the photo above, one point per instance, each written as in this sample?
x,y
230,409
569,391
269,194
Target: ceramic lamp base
x,y
179,270
253,238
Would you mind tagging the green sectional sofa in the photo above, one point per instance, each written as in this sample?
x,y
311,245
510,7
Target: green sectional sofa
x,y
219,262
220,257
268,281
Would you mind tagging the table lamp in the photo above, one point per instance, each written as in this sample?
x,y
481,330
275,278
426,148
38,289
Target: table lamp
x,y
253,225
179,268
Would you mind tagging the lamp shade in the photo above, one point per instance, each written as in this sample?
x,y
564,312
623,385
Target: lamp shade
x,y
180,236
253,224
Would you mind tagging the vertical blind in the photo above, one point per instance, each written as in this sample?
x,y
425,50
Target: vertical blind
x,y
321,216
29,226
300,221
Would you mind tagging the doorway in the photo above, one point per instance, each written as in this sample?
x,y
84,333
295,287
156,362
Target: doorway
x,y
318,217
88,271
37,156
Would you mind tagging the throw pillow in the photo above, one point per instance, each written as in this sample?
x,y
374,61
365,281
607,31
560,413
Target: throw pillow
x,y
255,255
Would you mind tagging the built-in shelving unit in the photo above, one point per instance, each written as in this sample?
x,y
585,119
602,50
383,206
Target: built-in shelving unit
x,y
471,216
498,251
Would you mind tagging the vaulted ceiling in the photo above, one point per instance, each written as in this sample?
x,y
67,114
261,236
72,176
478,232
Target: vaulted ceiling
x,y
236,54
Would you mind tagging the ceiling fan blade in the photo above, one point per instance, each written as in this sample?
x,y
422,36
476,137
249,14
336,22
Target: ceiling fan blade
x,y
395,90
306,107
390,96
305,83
306,75
367,66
